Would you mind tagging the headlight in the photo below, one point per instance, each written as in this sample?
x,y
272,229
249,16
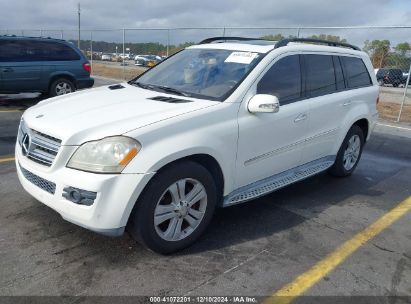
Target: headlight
x,y
108,155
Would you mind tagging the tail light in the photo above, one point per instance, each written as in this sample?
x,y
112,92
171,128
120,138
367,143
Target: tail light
x,y
87,67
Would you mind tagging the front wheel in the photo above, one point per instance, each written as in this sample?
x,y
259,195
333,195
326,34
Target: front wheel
x,y
349,153
175,208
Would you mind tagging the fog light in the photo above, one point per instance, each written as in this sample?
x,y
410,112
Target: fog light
x,y
79,196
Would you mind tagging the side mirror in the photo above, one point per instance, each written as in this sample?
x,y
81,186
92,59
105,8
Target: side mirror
x,y
263,103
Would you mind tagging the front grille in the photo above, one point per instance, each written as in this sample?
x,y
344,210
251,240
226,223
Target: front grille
x,y
40,182
40,148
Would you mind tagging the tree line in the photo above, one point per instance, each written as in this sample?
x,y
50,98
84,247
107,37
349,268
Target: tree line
x,y
381,52
147,48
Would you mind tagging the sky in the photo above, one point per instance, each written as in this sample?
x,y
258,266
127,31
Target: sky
x,y
102,14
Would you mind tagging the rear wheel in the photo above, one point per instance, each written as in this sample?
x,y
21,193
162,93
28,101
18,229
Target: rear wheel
x,y
349,153
380,82
175,208
61,86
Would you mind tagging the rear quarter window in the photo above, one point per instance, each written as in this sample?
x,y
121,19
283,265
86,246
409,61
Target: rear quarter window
x,y
356,73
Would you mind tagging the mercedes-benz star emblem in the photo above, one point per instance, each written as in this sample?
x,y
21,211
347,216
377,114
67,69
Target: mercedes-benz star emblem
x,y
25,144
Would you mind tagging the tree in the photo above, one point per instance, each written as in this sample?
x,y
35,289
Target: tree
x,y
378,51
276,37
328,37
402,48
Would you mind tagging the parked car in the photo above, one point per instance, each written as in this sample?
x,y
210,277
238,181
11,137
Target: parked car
x,y
125,56
147,60
116,59
50,66
379,74
106,57
215,125
394,77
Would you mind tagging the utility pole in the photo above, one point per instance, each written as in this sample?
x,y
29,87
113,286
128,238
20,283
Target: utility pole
x,y
78,40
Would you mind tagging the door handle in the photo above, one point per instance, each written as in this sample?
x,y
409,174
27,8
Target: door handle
x,y
346,103
301,117
7,70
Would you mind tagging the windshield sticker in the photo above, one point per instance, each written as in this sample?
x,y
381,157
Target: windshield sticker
x,y
241,57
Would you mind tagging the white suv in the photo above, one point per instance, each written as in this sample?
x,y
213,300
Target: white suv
x,y
217,124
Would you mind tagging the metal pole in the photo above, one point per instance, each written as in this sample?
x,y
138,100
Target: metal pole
x,y
168,41
405,94
223,31
62,34
298,32
124,47
78,40
41,33
91,51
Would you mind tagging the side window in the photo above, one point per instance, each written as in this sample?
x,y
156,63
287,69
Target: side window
x,y
5,54
355,72
12,50
283,80
320,77
339,76
30,50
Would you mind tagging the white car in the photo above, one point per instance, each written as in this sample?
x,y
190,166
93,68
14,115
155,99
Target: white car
x,y
216,124
106,57
125,56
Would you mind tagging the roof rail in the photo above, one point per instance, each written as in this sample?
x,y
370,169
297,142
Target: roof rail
x,y
30,37
285,42
223,39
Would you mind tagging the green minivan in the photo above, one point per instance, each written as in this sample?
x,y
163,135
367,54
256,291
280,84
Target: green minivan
x,y
49,66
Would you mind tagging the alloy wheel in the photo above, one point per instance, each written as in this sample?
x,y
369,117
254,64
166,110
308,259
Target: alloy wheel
x,y
180,209
352,152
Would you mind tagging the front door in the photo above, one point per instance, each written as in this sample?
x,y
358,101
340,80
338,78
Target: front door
x,y
270,143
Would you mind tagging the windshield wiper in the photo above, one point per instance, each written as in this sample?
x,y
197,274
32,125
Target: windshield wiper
x,y
162,88
170,90
141,85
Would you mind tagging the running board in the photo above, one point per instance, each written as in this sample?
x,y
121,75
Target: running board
x,y
278,181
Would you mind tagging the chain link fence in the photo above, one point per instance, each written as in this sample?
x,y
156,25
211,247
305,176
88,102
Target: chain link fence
x,y
388,47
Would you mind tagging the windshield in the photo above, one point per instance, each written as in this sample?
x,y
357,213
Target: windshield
x,y
201,73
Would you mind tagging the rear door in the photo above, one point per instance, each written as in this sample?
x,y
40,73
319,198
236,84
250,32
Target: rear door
x,y
328,104
331,86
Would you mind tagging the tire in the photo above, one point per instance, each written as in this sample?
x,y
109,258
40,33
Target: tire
x,y
61,86
345,166
380,83
157,199
395,84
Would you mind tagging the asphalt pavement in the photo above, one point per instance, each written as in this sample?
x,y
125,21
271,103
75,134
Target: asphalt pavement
x,y
251,249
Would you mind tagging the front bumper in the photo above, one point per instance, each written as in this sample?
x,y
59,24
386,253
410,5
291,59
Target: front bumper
x,y
116,193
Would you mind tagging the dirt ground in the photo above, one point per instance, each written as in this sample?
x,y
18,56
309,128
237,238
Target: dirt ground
x,y
116,71
389,111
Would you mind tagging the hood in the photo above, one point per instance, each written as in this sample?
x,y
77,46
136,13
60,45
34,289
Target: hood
x,y
100,112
